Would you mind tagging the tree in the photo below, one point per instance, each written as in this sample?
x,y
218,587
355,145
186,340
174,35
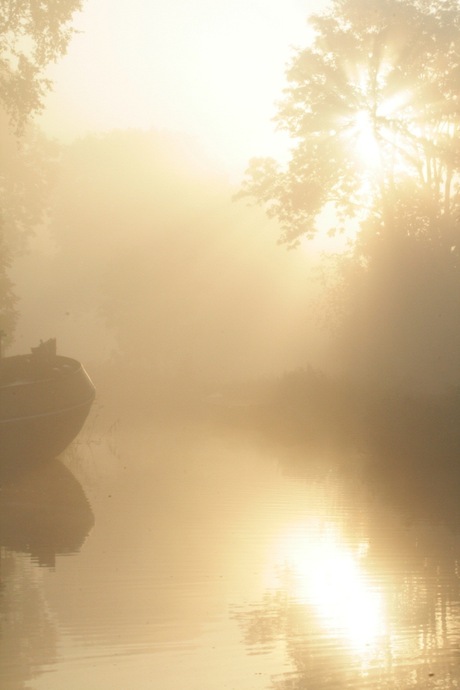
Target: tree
x,y
33,34
373,113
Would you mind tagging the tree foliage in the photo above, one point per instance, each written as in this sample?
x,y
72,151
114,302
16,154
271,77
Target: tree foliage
x,y
373,113
372,109
33,34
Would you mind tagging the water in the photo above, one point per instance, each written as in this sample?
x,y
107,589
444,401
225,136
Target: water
x,y
195,559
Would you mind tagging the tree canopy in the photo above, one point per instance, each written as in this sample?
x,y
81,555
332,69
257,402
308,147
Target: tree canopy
x,y
373,113
33,34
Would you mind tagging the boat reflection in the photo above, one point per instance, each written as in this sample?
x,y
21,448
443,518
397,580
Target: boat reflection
x,y
43,511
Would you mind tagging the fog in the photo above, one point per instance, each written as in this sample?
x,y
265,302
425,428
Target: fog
x,y
310,293
127,244
242,232
146,259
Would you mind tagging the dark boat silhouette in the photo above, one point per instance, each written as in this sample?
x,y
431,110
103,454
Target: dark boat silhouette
x,y
45,399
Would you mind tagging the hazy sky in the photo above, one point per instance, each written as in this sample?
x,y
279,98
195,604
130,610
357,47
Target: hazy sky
x,y
211,68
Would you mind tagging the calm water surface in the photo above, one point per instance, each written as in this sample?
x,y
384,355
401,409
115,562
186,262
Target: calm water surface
x,y
192,559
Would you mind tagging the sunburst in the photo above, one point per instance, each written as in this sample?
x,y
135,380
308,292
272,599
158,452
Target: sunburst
x,y
380,131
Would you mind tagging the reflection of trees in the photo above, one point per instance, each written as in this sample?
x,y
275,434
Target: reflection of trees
x,y
412,445
27,632
422,632
319,662
265,624
43,512
423,640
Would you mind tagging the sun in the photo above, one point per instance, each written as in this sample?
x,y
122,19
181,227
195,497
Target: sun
x,y
382,134
378,127
365,139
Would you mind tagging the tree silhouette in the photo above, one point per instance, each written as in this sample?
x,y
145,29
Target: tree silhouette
x,y
32,35
372,110
373,113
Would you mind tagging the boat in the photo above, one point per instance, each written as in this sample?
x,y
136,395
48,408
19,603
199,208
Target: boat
x,y
45,399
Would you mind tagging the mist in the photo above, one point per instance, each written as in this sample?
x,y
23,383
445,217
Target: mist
x,y
241,231
146,260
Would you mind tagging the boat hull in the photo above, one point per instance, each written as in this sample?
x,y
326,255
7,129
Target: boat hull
x,y
42,410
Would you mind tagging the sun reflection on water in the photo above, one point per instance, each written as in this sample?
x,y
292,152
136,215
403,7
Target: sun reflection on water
x,y
329,575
